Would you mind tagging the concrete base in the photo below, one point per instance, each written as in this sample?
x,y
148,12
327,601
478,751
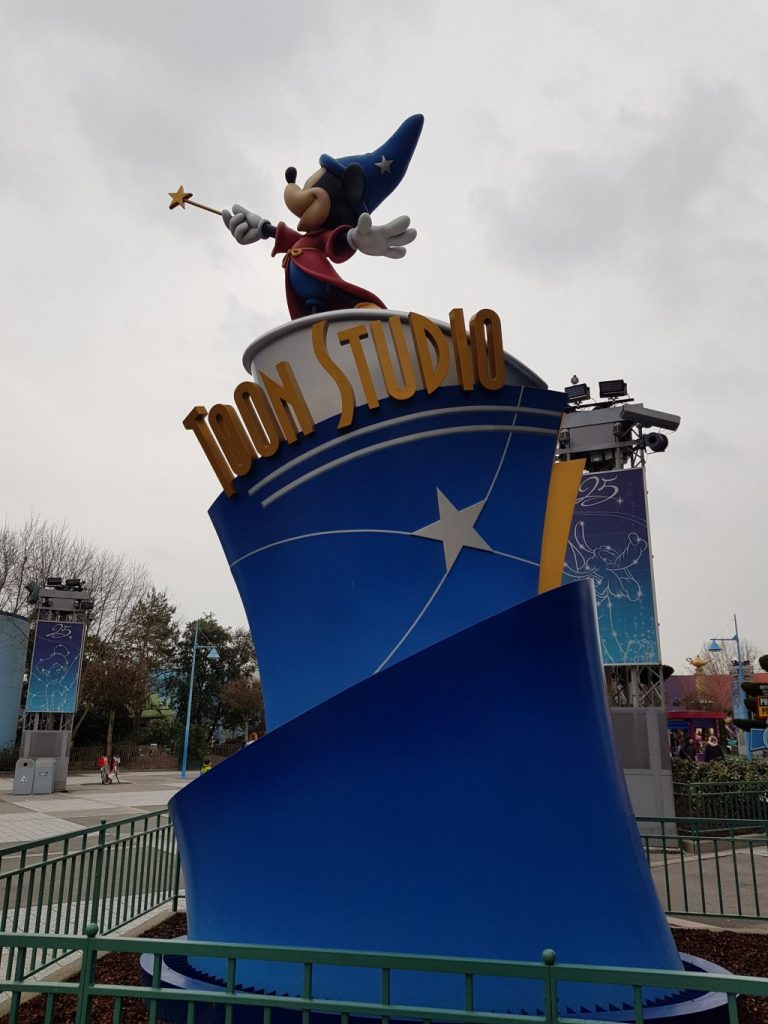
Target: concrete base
x,y
53,743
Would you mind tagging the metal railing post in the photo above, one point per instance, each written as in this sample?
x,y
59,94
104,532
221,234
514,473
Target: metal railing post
x,y
87,974
176,878
21,958
549,959
99,868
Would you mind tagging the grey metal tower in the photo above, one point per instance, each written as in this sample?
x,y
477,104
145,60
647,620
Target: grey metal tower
x,y
614,433
63,608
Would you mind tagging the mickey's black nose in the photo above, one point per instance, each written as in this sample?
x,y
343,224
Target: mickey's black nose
x,y
290,175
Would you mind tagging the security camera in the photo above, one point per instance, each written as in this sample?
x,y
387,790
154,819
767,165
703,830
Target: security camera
x,y
643,417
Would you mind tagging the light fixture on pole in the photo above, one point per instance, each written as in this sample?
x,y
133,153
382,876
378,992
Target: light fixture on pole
x,y
613,388
737,693
213,655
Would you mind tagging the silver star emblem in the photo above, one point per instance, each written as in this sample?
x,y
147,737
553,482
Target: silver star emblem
x,y
455,529
384,165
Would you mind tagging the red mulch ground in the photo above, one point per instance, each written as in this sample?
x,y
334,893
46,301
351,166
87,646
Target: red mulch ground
x,y
738,952
112,969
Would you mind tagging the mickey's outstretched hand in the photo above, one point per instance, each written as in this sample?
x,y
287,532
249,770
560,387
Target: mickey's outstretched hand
x,y
380,240
246,227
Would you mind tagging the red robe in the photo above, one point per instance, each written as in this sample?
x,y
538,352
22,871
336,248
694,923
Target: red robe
x,y
313,253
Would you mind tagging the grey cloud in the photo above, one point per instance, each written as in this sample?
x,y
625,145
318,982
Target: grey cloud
x,y
640,211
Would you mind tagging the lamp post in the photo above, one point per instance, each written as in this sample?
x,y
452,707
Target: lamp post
x,y
737,694
213,655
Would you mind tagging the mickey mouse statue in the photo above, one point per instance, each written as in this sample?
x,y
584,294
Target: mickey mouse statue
x,y
334,207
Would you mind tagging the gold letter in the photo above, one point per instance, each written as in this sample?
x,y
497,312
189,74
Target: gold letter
x,y
347,392
288,393
425,333
487,349
195,421
258,418
461,350
231,435
408,389
353,336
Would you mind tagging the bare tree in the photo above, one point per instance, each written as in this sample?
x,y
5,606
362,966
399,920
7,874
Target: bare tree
x,y
39,549
117,586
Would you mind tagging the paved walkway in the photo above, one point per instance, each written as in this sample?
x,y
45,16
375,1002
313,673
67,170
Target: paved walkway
x,y
26,819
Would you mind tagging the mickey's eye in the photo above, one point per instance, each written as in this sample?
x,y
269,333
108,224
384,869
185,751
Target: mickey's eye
x,y
290,175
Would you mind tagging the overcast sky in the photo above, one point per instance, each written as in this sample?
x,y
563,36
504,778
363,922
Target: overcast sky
x,y
594,171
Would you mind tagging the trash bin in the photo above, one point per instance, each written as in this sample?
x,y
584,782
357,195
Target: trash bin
x,y
45,774
23,777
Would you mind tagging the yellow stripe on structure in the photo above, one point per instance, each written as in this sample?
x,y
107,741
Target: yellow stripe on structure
x,y
561,500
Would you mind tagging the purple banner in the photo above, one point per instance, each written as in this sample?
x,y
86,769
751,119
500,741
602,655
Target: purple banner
x,y
55,669
609,545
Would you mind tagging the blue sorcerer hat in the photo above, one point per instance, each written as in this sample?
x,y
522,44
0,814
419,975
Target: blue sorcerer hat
x,y
384,167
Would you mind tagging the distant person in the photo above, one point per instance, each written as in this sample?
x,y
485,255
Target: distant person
x,y
689,749
252,737
713,751
206,766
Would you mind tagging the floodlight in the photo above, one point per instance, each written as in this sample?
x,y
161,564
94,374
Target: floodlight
x,y
612,388
53,581
73,582
577,392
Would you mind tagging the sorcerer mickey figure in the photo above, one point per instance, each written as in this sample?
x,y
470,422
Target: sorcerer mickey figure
x,y
334,207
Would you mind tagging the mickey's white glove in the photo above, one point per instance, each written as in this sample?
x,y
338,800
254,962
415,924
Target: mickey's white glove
x,y
245,227
383,240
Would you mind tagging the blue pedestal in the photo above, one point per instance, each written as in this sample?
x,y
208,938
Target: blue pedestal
x,y
466,801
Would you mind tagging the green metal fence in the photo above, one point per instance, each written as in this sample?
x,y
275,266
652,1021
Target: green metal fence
x,y
747,798
548,974
708,867
112,874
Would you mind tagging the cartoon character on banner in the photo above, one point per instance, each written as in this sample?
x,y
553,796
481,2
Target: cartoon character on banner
x,y
608,568
334,208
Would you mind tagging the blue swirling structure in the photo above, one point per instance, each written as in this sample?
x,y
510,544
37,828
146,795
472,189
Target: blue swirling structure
x,y
466,801
439,776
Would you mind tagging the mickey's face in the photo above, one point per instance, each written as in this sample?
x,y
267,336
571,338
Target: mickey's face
x,y
311,204
326,200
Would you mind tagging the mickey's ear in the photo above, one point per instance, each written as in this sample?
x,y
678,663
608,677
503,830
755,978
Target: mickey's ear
x,y
353,185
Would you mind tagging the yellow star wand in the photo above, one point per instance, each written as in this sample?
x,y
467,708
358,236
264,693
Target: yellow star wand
x,y
184,199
